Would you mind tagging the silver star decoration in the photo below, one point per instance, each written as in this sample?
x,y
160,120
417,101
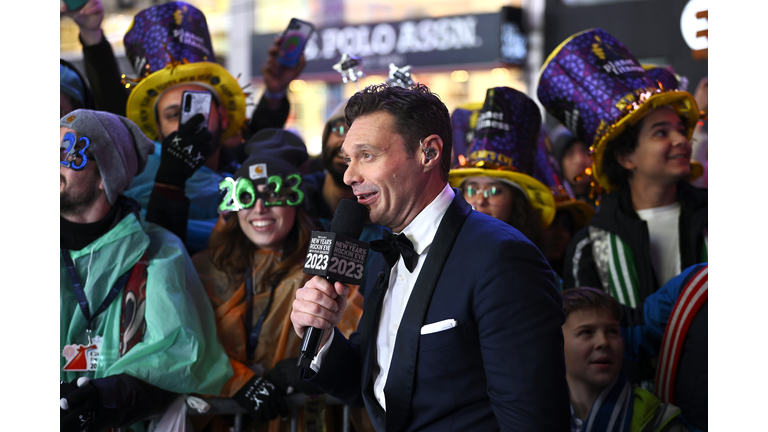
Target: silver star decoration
x,y
400,77
350,68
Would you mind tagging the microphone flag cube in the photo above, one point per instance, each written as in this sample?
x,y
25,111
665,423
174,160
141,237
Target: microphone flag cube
x,y
336,256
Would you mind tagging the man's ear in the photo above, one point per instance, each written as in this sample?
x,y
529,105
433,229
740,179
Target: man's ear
x,y
431,151
101,184
627,161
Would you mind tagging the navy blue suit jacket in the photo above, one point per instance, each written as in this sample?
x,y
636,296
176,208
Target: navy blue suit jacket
x,y
501,368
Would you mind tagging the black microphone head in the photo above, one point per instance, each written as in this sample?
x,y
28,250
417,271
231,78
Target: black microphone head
x,y
349,218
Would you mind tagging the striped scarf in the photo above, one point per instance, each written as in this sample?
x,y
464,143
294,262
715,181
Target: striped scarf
x,y
623,280
611,411
615,262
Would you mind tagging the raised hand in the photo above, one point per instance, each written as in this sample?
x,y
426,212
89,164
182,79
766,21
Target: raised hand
x,y
88,18
184,152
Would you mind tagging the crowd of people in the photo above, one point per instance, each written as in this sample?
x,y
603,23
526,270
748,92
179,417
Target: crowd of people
x,y
546,279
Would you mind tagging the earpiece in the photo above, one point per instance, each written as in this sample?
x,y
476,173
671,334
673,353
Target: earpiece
x,y
429,152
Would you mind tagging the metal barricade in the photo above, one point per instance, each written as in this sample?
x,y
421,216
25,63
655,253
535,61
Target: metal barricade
x,y
227,406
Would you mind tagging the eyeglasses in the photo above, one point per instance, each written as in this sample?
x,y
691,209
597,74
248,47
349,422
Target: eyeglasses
x,y
493,191
340,129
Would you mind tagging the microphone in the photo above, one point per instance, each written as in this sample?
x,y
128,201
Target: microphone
x,y
338,255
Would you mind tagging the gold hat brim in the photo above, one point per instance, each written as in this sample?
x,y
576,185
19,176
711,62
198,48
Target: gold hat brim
x,y
538,195
141,102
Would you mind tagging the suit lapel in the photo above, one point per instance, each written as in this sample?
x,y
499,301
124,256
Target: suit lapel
x,y
399,388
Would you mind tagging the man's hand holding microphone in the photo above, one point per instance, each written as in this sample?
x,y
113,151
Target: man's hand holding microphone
x,y
319,304
336,258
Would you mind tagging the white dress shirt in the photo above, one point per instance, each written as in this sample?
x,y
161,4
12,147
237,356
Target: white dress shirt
x,y
421,232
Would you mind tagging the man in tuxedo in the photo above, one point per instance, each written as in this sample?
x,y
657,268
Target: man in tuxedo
x,y
461,328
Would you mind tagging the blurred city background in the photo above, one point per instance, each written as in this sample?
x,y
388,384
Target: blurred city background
x,y
458,48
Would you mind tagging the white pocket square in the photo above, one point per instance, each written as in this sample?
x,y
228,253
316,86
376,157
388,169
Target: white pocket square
x,y
439,326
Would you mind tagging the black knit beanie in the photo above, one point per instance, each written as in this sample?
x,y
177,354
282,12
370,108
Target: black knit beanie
x,y
272,152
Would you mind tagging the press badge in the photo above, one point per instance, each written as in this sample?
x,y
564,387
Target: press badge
x,y
82,358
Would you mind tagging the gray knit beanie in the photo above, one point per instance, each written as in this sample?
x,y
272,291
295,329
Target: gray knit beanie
x,y
119,147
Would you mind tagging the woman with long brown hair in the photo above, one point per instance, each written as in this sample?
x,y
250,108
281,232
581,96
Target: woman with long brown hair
x,y
252,269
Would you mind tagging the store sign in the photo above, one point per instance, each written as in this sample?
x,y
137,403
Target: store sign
x,y
694,26
450,40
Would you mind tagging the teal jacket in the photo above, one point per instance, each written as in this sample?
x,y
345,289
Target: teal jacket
x,y
179,352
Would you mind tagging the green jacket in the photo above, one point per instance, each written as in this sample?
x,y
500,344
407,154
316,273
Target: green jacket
x,y
179,352
649,414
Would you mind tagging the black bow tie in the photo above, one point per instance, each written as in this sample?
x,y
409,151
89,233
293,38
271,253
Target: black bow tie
x,y
393,246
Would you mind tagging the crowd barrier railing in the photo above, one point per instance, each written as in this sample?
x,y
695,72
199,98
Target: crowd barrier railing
x,y
227,406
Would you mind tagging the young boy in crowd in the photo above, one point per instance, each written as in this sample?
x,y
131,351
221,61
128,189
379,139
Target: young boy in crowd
x,y
601,397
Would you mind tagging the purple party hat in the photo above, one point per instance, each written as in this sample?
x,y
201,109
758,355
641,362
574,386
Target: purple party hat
x,y
463,122
504,147
168,32
506,132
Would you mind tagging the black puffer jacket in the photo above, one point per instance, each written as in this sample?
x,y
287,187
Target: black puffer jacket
x,y
616,215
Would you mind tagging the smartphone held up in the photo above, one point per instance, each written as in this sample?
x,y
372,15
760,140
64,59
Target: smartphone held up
x,y
195,102
294,40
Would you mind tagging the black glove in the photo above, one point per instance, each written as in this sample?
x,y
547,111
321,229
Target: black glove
x,y
82,406
113,401
184,152
262,400
285,376
65,388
